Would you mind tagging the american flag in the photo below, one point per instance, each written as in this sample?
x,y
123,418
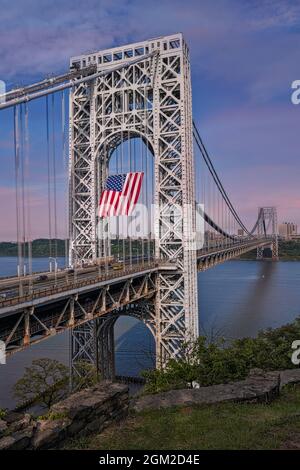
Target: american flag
x,y
121,193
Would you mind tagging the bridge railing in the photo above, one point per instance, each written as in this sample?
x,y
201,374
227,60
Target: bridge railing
x,y
52,290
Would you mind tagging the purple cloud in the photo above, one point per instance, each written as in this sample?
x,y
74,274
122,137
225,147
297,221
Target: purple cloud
x,y
244,57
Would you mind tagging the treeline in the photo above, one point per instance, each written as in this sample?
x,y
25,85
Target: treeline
x,y
40,248
288,250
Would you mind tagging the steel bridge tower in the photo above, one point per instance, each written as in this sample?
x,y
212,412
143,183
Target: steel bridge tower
x,y
267,222
150,99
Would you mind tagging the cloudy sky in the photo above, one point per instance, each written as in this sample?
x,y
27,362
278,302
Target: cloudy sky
x,y
244,55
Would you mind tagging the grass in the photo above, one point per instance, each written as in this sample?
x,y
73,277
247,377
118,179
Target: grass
x,y
224,426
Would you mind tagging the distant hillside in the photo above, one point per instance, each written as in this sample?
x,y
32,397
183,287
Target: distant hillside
x,y
40,248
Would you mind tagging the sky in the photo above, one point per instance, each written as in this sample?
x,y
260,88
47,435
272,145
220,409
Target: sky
x,y
244,57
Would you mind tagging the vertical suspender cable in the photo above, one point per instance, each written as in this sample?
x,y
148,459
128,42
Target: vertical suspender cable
x,y
49,179
117,151
17,163
137,251
147,175
142,169
65,167
123,222
22,162
28,194
54,177
130,169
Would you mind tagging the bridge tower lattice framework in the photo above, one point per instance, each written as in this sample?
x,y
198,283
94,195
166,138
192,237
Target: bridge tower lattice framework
x,y
150,99
267,221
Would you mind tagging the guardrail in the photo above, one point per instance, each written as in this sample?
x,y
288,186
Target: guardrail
x,y
51,290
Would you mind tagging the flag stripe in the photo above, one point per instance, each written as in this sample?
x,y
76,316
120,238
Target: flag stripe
x,y
133,190
120,195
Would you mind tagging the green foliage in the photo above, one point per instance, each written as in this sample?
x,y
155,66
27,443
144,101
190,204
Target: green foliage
x,y
86,376
2,413
215,363
40,248
288,250
45,382
51,416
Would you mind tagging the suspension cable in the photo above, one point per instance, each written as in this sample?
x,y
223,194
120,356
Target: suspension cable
x,y
216,179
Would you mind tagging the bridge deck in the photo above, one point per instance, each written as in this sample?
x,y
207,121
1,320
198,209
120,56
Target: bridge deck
x,y
69,300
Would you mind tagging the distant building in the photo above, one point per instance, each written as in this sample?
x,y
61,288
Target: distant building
x,y
240,232
295,237
287,230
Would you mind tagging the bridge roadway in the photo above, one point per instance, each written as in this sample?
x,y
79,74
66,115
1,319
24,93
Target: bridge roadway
x,y
66,299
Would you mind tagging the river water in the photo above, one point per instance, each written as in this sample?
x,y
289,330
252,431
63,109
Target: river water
x,y
236,299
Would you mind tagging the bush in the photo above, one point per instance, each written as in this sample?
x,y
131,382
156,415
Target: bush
x,y
215,363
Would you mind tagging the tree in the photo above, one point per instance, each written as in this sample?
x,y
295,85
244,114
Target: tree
x,y
44,382
211,363
86,375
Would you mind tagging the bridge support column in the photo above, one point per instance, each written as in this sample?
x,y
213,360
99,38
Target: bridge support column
x,y
83,354
93,349
177,299
259,253
267,225
106,349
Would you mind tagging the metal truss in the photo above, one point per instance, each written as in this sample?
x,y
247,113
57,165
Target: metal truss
x,y
27,326
267,224
208,260
94,344
150,99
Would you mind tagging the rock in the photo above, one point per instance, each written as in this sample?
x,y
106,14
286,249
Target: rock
x,y
290,376
256,372
50,432
22,423
258,387
81,413
81,404
23,438
3,427
6,443
12,417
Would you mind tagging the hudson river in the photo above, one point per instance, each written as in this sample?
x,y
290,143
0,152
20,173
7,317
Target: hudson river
x,y
236,299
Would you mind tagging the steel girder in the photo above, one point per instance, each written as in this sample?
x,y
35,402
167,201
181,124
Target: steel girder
x,y
30,325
